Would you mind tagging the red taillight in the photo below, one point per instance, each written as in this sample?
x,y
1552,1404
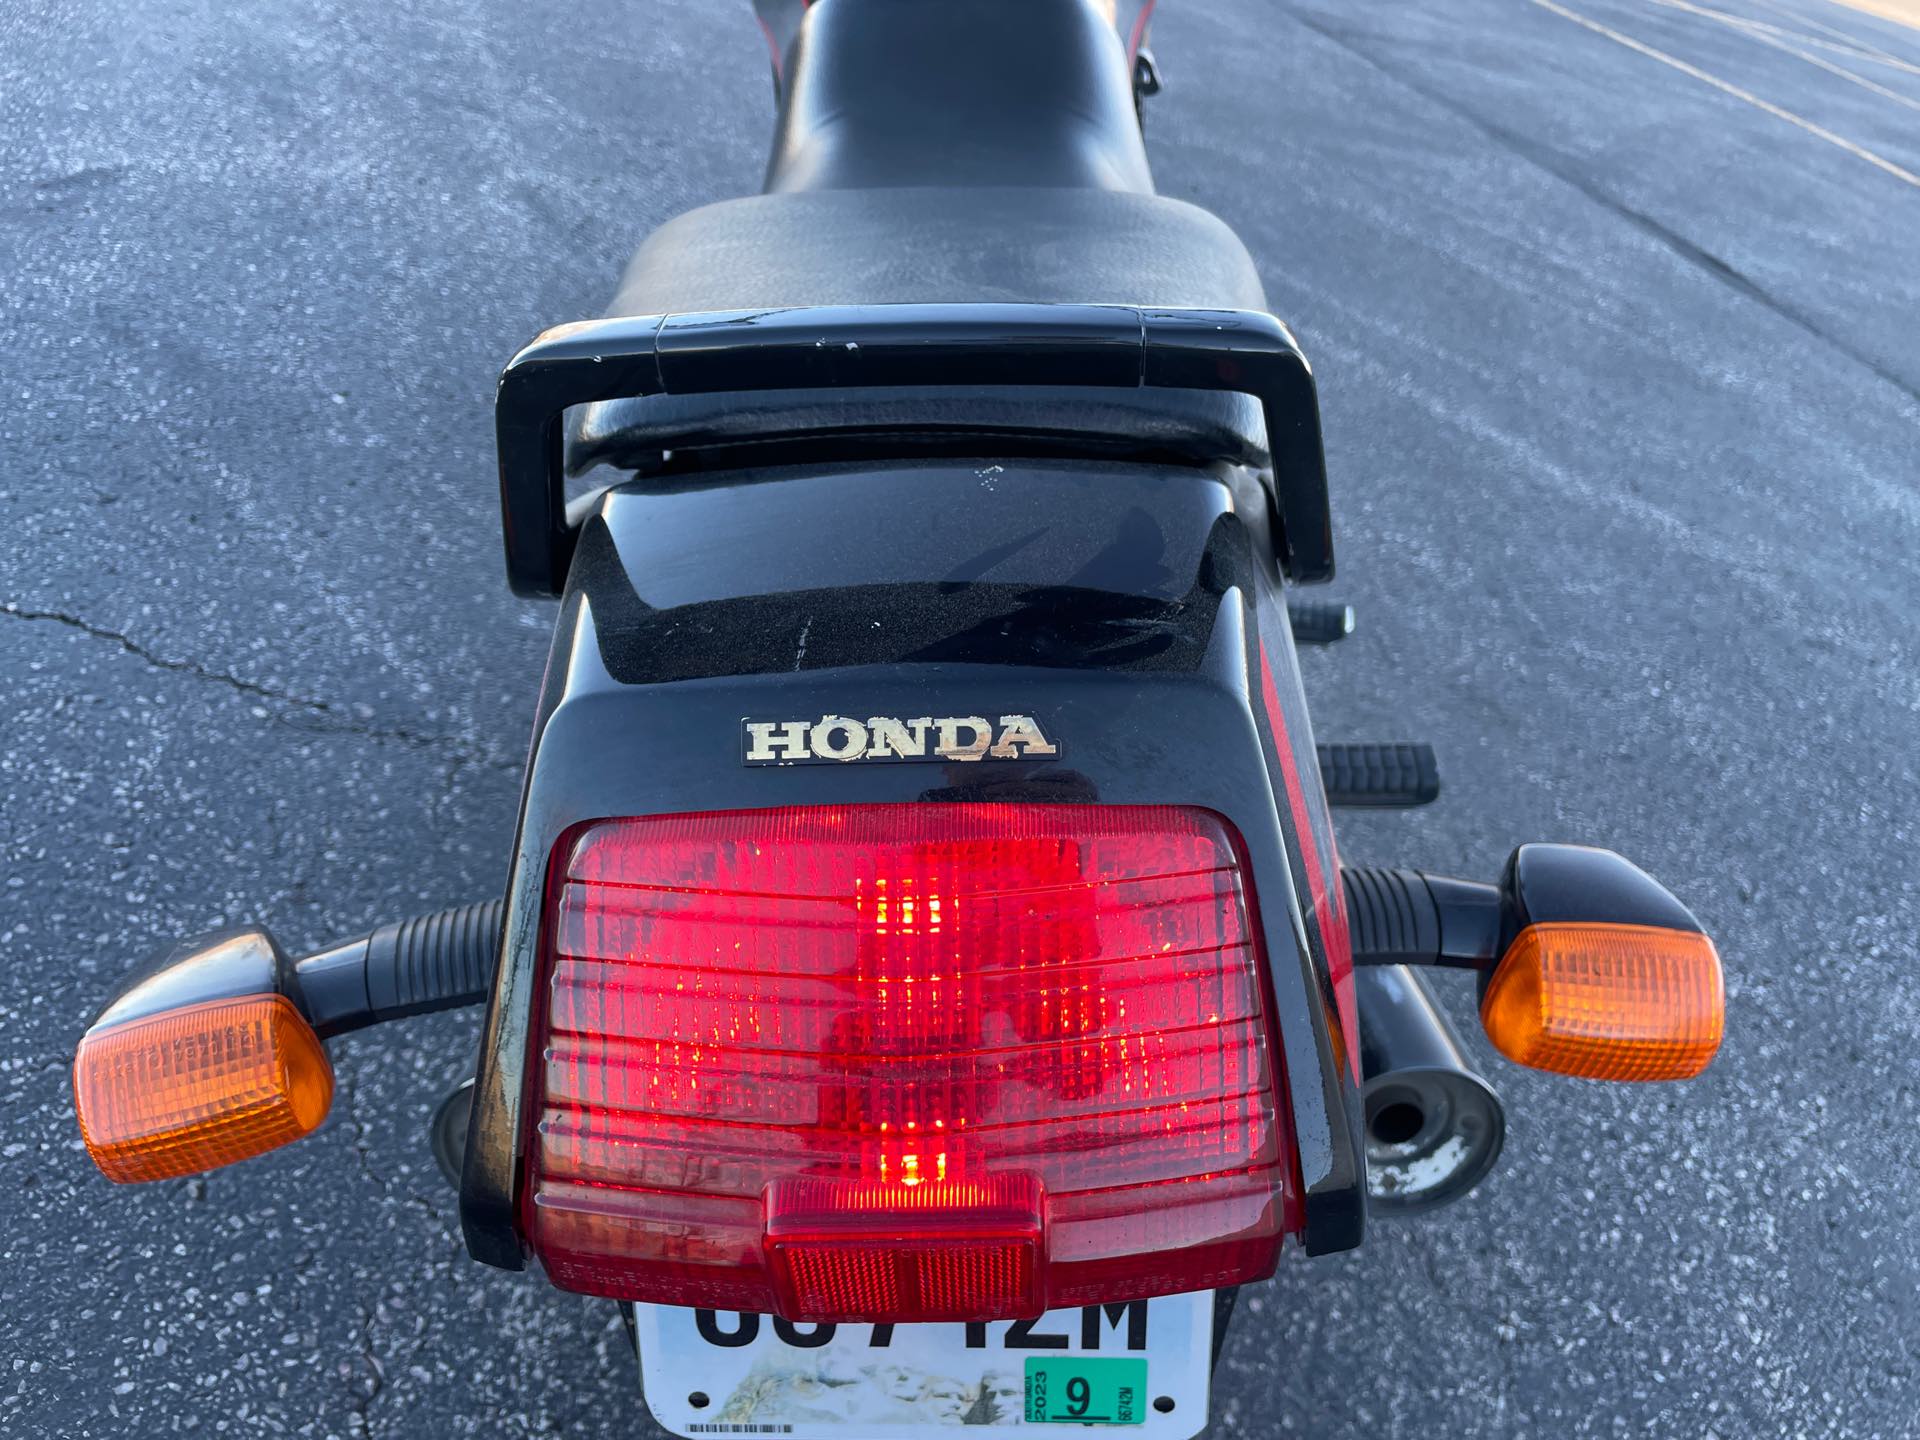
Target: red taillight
x,y
903,1062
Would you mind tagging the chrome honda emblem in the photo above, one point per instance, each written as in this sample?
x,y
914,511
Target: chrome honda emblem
x,y
844,739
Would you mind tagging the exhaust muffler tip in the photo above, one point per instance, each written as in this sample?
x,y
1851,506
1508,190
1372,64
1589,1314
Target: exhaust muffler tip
x,y
1434,1127
1432,1135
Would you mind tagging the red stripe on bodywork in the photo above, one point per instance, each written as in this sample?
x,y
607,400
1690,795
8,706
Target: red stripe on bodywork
x,y
1139,35
773,48
1323,884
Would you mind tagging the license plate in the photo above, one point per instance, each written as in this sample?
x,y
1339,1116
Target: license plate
x,y
1143,1367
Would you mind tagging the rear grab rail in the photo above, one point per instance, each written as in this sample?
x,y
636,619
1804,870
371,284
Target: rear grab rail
x,y
881,346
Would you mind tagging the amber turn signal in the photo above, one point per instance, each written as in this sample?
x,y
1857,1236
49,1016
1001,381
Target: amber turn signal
x,y
201,1086
1607,1002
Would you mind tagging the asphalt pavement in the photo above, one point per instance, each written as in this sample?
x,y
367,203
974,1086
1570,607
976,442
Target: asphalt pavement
x,y
1615,306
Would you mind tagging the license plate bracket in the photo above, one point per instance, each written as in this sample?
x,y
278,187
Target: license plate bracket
x,y
719,1374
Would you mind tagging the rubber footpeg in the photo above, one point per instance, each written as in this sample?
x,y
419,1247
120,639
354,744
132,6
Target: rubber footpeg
x,y
1319,622
1380,776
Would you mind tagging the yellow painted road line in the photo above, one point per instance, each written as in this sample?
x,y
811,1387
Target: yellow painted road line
x,y
1752,32
1727,87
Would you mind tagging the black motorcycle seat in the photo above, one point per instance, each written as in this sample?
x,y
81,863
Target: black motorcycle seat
x,y
957,92
1072,219
924,246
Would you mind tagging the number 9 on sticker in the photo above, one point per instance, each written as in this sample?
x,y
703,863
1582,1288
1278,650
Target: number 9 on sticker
x,y
1084,1391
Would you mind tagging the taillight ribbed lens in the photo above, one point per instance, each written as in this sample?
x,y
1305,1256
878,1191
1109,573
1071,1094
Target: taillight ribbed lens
x,y
903,1062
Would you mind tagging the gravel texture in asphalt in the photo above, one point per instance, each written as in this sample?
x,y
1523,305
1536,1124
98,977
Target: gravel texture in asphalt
x,y
1614,307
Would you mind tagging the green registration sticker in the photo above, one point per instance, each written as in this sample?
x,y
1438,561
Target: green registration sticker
x,y
1085,1390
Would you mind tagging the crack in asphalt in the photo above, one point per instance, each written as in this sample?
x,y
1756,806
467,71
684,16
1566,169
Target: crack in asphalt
x,y
361,1403
1549,161
361,1398
86,176
332,718
390,1187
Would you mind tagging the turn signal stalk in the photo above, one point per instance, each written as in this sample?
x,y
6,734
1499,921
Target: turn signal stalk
x,y
1588,966
216,1053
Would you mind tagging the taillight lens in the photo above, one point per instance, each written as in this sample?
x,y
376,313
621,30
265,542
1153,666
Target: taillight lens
x,y
903,1062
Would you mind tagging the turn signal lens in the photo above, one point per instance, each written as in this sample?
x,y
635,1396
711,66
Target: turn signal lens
x,y
199,1087
1607,1002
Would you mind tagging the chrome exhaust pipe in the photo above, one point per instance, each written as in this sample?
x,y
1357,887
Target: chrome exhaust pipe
x,y
1433,1126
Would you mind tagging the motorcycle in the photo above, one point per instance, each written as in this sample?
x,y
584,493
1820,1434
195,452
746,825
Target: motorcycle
x,y
927,988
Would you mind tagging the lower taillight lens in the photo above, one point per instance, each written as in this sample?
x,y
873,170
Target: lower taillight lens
x,y
903,1062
